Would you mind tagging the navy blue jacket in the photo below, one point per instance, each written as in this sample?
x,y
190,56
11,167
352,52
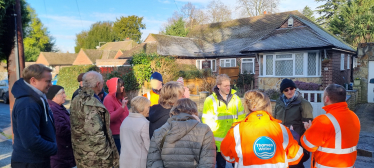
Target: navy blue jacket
x,y
33,126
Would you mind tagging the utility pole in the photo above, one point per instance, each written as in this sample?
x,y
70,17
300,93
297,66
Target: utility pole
x,y
16,60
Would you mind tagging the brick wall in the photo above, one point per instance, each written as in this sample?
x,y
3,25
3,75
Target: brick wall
x,y
82,59
352,101
340,76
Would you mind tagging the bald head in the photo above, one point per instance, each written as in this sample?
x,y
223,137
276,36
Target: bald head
x,y
93,80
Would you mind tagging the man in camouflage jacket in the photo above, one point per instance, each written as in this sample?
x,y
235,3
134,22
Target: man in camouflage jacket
x,y
92,139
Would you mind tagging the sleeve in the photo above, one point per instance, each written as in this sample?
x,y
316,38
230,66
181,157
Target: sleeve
x,y
315,136
275,112
307,111
62,126
294,151
28,127
241,112
228,147
208,151
154,159
145,135
208,114
113,111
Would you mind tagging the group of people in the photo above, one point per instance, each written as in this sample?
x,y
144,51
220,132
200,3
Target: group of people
x,y
163,128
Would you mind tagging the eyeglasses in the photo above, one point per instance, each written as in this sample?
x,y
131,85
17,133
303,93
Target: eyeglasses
x,y
286,90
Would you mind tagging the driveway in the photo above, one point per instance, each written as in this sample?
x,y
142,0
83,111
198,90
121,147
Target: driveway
x,y
5,145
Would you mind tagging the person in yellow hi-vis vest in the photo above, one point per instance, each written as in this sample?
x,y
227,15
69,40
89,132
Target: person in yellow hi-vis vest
x,y
221,110
156,85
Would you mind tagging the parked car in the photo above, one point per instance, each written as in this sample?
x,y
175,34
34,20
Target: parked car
x,y
4,91
54,80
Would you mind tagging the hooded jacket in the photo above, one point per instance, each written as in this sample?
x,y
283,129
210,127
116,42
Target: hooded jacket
x,y
64,157
33,126
158,116
114,106
92,139
187,143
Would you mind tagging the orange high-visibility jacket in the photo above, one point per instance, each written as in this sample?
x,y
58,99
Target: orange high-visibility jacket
x,y
333,137
260,141
153,97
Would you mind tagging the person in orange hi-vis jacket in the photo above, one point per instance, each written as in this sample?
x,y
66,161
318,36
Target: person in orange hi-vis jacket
x,y
260,140
333,136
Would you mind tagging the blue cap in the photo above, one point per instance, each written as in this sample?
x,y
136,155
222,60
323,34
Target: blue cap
x,y
157,76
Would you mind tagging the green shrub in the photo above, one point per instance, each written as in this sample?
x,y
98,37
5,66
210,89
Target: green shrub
x,y
142,73
131,84
167,67
68,77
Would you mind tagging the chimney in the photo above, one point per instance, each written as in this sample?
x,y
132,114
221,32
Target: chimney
x,y
264,12
128,38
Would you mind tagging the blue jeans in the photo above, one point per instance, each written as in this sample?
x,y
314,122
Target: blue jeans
x,y
117,141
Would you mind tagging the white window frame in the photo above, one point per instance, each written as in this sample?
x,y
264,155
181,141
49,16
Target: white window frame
x,y
252,61
342,62
305,63
348,61
354,62
200,65
227,59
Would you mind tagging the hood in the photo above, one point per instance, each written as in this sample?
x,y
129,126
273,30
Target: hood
x,y
156,112
20,89
112,85
181,125
219,97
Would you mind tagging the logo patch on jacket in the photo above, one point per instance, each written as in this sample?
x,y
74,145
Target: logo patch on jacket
x,y
264,147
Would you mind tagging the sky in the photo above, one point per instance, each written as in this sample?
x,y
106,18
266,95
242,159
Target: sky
x,y
65,19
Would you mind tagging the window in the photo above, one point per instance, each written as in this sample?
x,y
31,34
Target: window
x,y
228,62
202,64
348,62
290,64
342,62
354,62
248,65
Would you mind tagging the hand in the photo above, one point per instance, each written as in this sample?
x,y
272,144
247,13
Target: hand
x,y
124,102
307,124
291,127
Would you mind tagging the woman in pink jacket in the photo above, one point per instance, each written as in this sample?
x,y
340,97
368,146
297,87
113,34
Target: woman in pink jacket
x,y
116,103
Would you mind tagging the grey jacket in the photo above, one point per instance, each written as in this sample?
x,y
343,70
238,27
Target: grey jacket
x,y
188,144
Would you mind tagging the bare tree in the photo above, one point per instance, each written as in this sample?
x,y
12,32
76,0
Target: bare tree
x,y
188,11
200,17
218,12
257,7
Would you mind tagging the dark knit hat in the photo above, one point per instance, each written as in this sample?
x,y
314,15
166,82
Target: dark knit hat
x,y
52,91
157,76
80,77
286,83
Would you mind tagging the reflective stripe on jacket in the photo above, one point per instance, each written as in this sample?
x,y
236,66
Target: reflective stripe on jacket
x,y
220,117
153,97
266,143
333,137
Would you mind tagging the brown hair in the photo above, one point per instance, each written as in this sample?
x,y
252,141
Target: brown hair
x,y
221,78
336,93
184,106
255,101
36,71
170,93
138,104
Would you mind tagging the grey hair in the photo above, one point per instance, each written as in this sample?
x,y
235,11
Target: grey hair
x,y
60,91
91,78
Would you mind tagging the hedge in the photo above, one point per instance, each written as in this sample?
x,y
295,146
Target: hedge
x,y
67,77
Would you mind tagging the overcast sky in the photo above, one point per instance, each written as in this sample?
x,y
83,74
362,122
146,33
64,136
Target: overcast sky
x,y
65,19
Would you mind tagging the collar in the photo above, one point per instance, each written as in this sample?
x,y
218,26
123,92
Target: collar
x,y
40,93
136,115
335,106
97,97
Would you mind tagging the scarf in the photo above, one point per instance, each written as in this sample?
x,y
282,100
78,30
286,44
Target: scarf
x,y
288,101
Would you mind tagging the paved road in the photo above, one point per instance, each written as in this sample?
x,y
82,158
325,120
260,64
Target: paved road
x,y
4,116
5,145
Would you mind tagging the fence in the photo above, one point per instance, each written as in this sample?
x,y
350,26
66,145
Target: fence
x,y
232,72
315,97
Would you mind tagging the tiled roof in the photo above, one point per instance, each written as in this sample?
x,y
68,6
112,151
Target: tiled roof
x,y
176,46
146,47
111,62
120,45
109,54
308,36
93,54
59,58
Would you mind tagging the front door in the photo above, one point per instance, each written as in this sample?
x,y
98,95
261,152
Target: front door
x,y
371,82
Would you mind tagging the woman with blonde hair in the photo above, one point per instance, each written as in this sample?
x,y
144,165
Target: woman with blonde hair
x,y
134,134
266,142
183,141
159,114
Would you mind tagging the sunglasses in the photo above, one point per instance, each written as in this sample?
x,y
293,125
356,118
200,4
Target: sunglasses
x,y
286,90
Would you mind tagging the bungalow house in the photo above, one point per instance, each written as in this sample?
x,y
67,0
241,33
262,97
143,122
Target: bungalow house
x,y
56,60
270,46
119,47
89,56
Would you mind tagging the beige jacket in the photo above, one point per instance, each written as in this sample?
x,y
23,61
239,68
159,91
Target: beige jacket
x,y
134,134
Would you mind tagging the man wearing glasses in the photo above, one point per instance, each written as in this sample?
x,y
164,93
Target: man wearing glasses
x,y
294,111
